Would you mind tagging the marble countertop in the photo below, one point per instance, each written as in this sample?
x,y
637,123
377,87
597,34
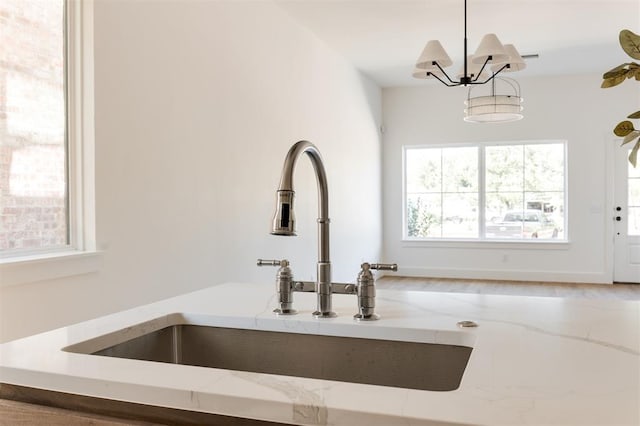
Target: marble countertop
x,y
535,361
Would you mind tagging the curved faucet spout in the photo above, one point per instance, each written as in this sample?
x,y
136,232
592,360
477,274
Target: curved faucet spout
x,y
299,148
286,179
284,220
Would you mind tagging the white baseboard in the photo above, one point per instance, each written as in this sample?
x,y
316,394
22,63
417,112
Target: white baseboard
x,y
498,274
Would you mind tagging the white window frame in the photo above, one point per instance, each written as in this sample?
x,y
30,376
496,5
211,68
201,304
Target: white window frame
x,y
481,241
80,255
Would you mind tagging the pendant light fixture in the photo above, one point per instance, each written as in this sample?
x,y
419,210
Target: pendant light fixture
x,y
502,103
490,59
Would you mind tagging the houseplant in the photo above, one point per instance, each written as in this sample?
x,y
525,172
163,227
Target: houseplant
x,y
630,43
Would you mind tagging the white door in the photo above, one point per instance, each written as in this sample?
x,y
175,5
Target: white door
x,y
626,218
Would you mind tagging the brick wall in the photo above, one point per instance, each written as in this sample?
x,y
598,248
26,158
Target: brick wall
x,y
32,138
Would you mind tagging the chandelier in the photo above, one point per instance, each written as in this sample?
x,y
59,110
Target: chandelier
x,y
491,55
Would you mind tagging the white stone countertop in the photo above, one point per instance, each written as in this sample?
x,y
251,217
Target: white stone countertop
x,y
535,360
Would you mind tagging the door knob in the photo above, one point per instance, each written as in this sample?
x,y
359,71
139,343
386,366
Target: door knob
x,y
618,208
618,218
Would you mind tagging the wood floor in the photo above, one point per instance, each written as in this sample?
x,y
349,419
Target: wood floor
x,y
520,288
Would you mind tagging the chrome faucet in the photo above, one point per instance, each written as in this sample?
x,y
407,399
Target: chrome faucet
x,y
284,220
284,224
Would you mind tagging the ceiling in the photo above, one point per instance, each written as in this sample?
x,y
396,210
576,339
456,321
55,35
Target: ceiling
x,y
383,38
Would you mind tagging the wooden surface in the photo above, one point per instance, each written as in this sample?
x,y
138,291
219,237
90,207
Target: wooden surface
x,y
21,405
518,288
13,413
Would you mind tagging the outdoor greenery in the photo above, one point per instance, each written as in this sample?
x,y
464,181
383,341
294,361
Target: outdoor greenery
x,y
630,43
419,220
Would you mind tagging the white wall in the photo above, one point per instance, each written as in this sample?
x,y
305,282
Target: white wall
x,y
197,104
573,108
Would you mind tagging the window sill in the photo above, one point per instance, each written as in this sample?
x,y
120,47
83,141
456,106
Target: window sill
x,y
29,269
488,244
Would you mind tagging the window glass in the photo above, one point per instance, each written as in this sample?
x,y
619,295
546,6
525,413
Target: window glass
x,y
544,167
424,170
423,215
525,191
504,168
33,158
442,192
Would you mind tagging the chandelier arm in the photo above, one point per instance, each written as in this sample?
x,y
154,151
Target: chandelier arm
x,y
442,81
503,67
491,77
453,83
481,69
486,81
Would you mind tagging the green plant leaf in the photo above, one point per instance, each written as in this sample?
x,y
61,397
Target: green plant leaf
x,y
630,43
623,128
633,155
630,137
634,115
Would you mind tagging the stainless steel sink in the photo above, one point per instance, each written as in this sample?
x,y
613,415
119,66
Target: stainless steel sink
x,y
412,365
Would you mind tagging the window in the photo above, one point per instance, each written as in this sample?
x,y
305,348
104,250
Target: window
x,y
512,191
47,207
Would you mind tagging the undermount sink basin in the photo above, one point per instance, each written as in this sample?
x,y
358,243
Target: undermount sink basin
x,y
412,365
